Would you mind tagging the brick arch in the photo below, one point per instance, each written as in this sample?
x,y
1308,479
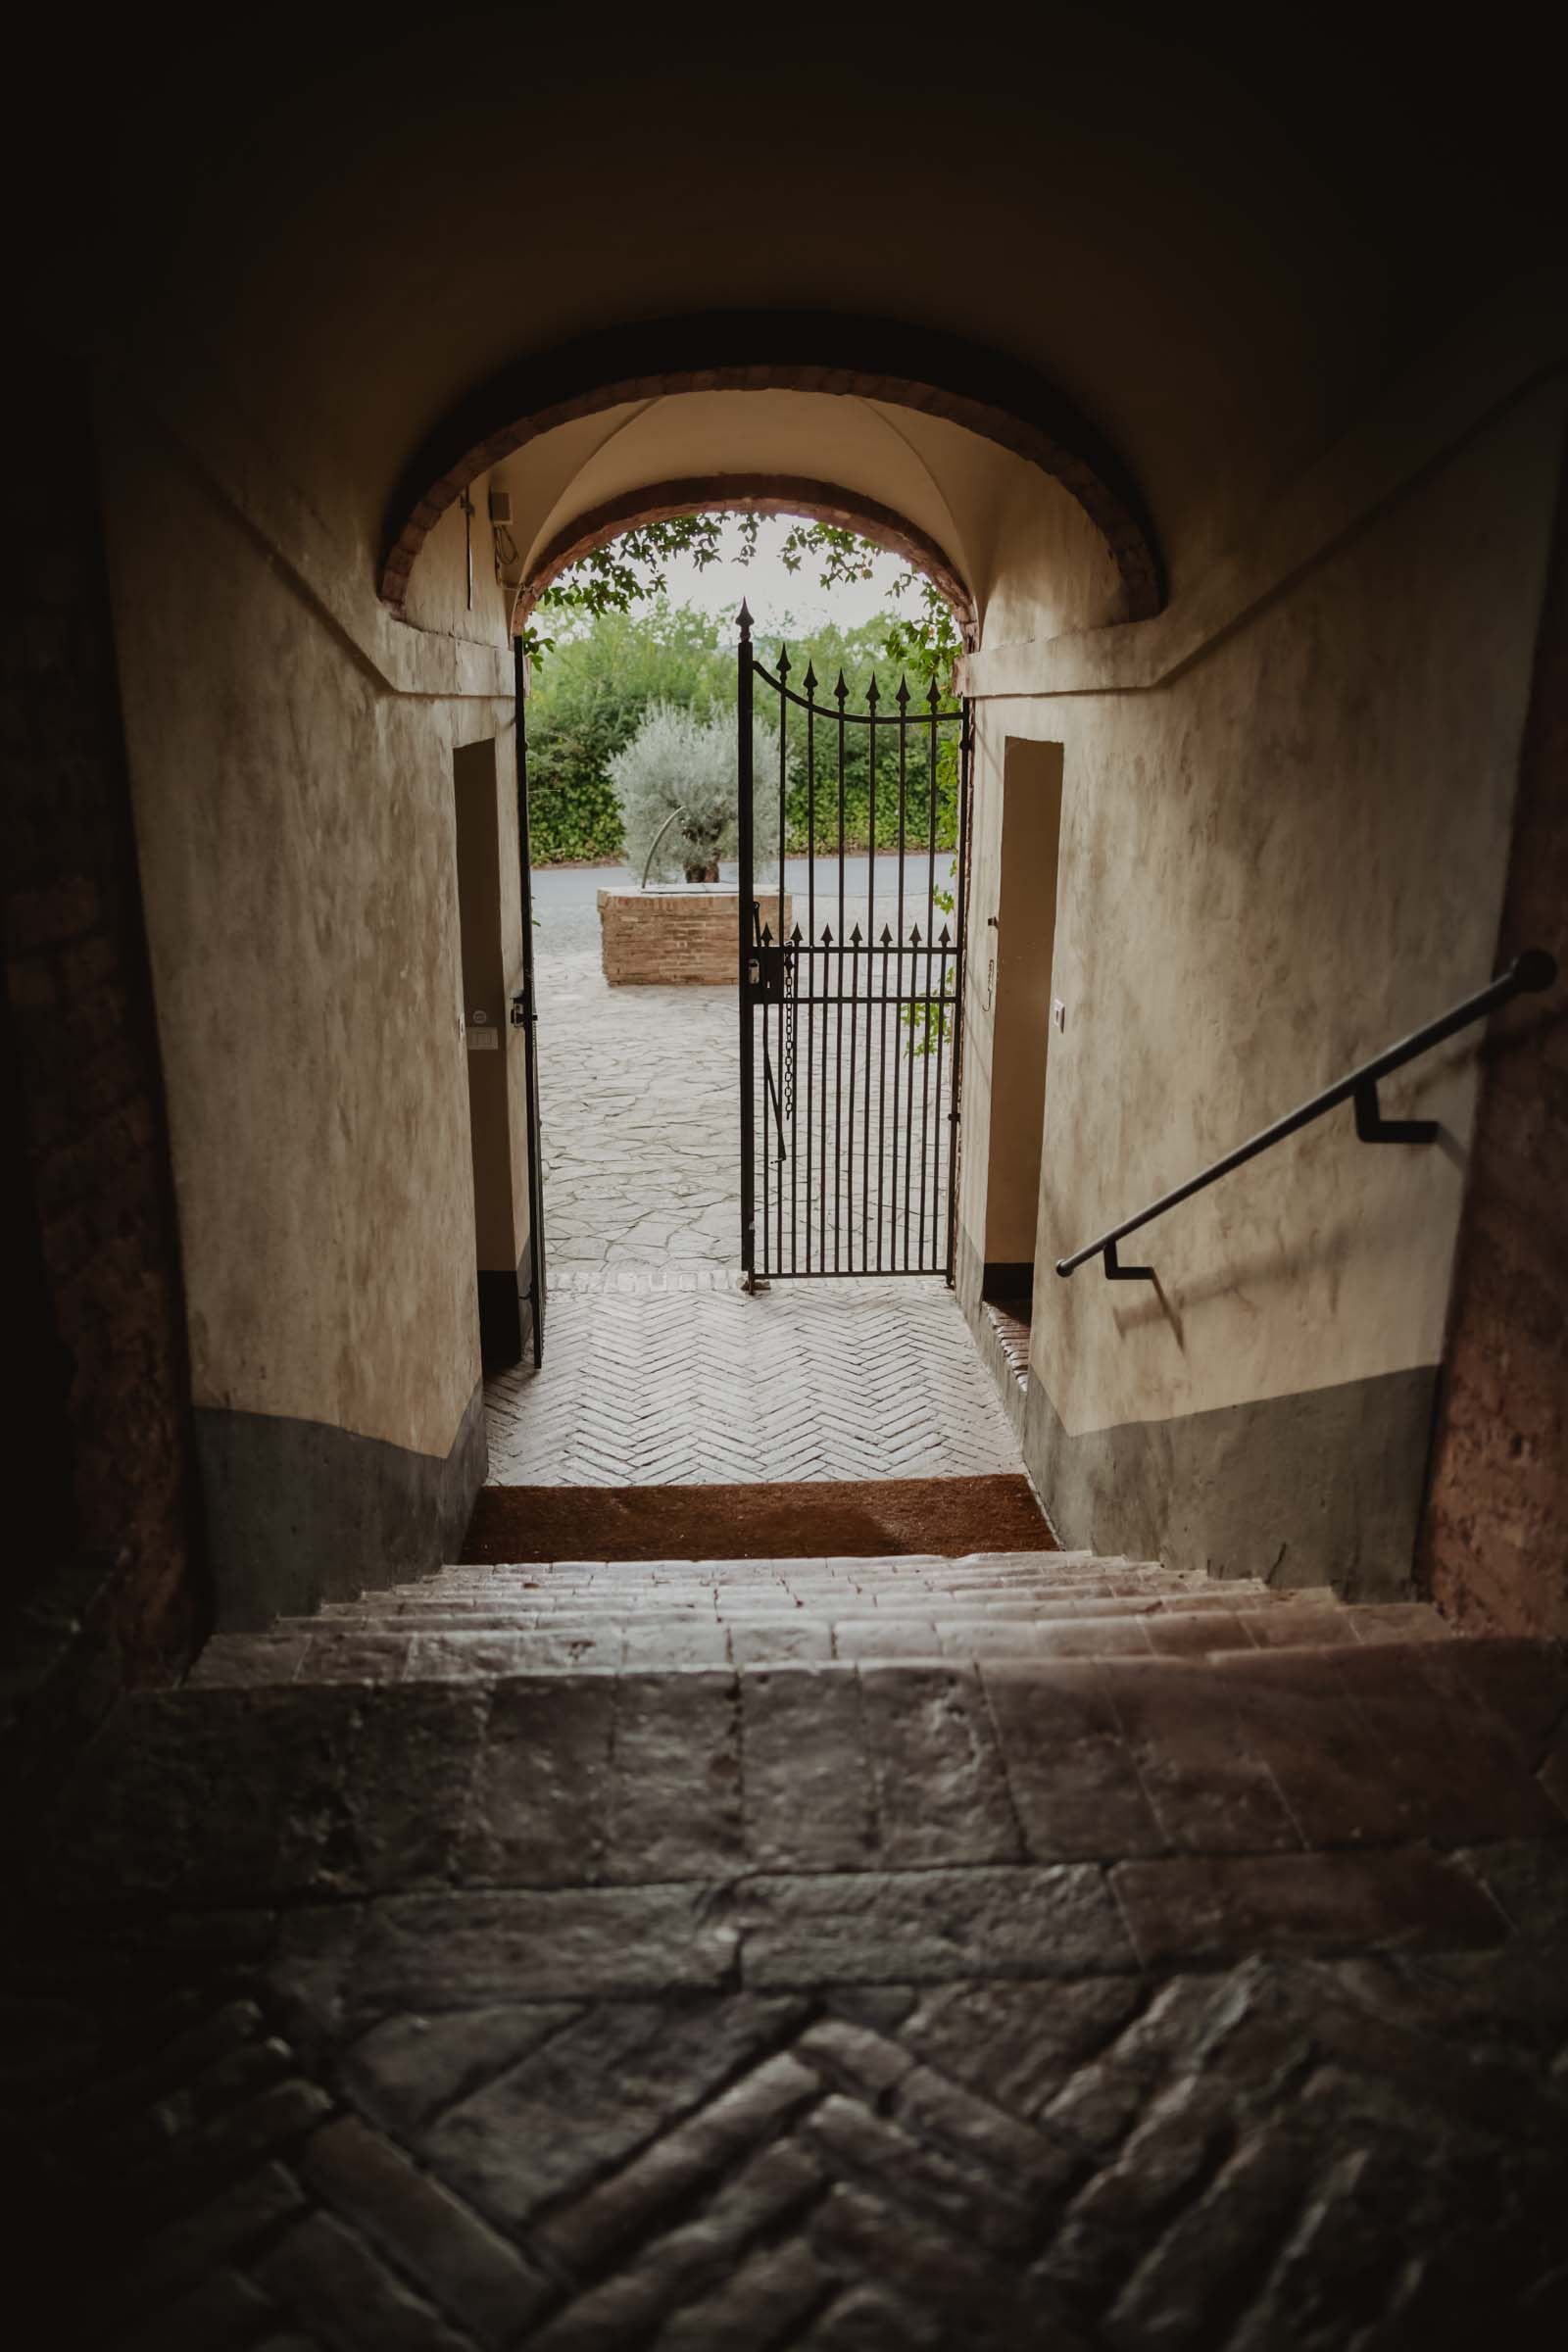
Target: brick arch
x,y
769,351
751,494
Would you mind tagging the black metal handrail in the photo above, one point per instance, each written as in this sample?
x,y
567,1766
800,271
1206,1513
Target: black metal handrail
x,y
1527,975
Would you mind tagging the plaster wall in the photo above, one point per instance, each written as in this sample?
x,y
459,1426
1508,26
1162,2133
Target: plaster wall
x,y
439,590
296,836
1278,858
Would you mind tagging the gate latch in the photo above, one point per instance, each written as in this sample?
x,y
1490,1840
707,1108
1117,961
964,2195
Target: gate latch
x,y
766,969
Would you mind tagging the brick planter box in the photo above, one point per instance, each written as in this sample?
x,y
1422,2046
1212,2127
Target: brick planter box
x,y
675,933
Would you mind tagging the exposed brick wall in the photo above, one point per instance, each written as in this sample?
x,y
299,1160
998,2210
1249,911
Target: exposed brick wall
x,y
104,1589
673,936
1494,1544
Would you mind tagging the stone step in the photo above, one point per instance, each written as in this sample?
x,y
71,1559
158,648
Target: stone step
x,y
988,1563
1057,1574
527,1614
875,1563
530,1592
335,1652
256,1795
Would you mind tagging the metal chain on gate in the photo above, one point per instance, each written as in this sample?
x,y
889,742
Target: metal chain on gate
x,y
789,959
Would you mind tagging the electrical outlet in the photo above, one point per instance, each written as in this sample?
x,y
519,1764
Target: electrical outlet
x,y
1059,1016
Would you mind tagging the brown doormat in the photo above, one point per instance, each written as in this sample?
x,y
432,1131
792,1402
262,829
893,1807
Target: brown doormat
x,y
809,1520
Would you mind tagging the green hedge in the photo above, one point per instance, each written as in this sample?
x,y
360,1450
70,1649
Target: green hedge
x,y
593,689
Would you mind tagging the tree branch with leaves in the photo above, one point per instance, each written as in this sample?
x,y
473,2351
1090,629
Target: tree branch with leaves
x,y
616,577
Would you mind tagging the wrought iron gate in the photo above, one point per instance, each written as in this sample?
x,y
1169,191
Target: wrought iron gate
x,y
850,981
524,1015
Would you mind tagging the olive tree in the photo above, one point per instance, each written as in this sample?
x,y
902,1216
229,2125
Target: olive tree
x,y
676,784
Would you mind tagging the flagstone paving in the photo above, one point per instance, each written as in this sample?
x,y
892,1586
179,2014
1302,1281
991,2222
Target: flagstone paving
x,y
638,1089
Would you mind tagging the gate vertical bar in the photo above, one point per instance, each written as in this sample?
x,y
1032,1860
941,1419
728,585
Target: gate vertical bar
x,y
789,1002
933,700
901,697
810,685
529,1016
872,697
965,778
744,830
840,695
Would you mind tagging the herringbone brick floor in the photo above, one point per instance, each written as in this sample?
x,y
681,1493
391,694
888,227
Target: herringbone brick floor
x,y
690,1385
1259,2158
658,1367
1144,2002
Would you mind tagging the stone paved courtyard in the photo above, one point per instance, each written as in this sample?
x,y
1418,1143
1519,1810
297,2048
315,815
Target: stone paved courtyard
x,y
658,1367
639,1088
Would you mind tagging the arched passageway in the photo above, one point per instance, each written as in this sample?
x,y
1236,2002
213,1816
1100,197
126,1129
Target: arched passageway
x,y
1149,1940
658,1201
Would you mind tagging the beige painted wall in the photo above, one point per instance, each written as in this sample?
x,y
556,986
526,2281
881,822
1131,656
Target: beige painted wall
x,y
296,834
438,592
1284,856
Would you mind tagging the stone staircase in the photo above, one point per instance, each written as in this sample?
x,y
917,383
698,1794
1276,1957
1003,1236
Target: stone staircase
x,y
841,1955
574,1616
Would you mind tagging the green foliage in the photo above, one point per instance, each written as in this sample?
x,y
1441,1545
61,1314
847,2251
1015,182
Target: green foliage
x,y
593,692
616,578
588,704
926,644
675,782
928,1026
812,808
631,568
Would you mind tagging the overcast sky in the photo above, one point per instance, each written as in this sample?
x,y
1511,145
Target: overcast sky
x,y
773,593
